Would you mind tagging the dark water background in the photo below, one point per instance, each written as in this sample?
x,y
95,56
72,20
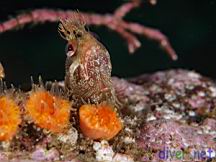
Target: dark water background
x,y
39,50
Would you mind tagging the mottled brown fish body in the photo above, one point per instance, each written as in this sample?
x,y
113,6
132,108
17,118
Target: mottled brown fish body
x,y
88,70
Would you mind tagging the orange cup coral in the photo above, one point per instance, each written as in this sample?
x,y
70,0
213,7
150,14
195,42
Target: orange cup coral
x,y
48,111
9,118
99,121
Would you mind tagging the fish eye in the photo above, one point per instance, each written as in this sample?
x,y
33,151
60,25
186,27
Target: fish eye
x,y
69,49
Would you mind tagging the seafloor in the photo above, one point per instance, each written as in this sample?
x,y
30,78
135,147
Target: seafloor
x,y
167,116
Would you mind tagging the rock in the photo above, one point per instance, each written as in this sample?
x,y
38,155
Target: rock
x,y
178,94
167,116
161,137
41,154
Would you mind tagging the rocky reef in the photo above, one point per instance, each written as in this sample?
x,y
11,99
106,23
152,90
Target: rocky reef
x,y
93,117
167,116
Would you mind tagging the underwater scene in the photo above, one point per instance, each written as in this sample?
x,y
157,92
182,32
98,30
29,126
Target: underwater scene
x,y
107,81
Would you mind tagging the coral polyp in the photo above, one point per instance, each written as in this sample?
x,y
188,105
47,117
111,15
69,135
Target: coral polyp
x,y
99,121
9,118
48,111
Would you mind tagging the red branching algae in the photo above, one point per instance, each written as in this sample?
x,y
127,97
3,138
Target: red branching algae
x,y
113,21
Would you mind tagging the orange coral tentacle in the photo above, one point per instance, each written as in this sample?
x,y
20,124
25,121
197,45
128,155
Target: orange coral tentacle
x,y
48,111
9,118
99,121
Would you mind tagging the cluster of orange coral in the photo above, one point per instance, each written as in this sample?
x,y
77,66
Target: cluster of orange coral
x,y
9,118
52,113
48,111
99,121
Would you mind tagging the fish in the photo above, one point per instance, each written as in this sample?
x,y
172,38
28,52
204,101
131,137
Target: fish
x,y
88,66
